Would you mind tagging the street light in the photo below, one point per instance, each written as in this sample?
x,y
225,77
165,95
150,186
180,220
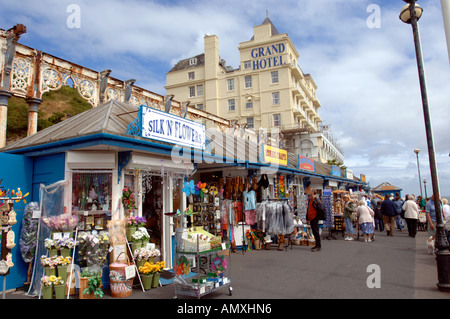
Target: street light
x,y
410,14
425,187
418,169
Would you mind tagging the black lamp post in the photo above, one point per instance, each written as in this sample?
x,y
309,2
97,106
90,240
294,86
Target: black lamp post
x,y
410,14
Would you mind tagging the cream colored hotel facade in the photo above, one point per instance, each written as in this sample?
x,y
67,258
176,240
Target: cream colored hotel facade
x,y
267,90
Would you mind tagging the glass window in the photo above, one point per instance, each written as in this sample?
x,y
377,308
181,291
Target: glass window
x,y
277,119
200,106
231,105
249,105
192,91
276,98
200,90
230,84
191,75
247,64
274,76
248,81
250,122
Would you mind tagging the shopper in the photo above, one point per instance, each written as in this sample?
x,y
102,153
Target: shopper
x,y
388,212
398,203
349,210
313,218
378,217
365,220
431,216
411,215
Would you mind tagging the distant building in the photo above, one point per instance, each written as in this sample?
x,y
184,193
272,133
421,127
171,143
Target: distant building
x,y
267,90
386,188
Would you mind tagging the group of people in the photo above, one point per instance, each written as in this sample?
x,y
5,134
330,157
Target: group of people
x,y
382,214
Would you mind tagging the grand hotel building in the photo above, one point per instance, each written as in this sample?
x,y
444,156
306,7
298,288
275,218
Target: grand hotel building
x,y
267,90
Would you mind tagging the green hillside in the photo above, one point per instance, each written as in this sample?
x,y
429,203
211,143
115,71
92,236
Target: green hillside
x,y
56,106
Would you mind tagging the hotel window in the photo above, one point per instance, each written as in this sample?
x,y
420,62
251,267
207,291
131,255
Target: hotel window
x,y
193,61
231,105
191,91
250,122
249,105
277,119
276,98
200,90
230,84
200,106
247,64
274,76
191,75
248,81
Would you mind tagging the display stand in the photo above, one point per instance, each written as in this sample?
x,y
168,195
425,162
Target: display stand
x,y
135,266
216,271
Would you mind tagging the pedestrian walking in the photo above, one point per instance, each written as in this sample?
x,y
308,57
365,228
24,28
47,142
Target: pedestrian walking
x,y
398,203
313,218
378,217
365,216
388,212
349,217
431,216
411,215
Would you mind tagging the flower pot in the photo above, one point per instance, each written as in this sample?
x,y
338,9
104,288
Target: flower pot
x,y
62,272
83,286
135,246
60,291
52,252
147,281
155,281
145,241
130,231
50,271
65,252
47,292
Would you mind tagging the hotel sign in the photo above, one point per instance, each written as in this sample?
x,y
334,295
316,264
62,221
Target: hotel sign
x,y
166,127
274,155
268,56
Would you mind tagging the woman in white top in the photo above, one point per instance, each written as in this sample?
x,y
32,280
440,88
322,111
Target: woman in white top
x,y
411,215
365,219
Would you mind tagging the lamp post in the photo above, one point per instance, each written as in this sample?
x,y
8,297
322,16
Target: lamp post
x,y
425,187
418,169
410,14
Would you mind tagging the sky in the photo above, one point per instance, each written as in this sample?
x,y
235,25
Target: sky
x,y
360,55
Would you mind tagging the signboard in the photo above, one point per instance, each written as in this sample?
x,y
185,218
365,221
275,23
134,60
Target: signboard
x,y
166,127
349,173
306,163
335,170
274,155
363,178
268,56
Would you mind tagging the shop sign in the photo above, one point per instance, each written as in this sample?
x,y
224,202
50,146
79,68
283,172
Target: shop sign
x,y
335,170
166,127
274,155
349,174
267,56
306,163
363,178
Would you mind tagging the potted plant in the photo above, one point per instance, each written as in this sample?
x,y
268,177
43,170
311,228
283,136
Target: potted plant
x,y
59,287
91,283
92,247
50,245
49,264
157,269
136,240
47,287
131,227
61,264
65,245
146,272
128,200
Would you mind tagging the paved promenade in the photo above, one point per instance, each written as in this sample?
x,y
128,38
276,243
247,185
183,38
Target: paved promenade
x,y
341,270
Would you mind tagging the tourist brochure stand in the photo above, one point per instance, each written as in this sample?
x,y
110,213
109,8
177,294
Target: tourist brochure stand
x,y
198,250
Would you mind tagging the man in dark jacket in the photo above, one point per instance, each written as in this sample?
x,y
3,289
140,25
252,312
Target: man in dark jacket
x,y
388,212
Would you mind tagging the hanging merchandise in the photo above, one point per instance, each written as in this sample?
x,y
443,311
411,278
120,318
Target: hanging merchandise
x,y
275,217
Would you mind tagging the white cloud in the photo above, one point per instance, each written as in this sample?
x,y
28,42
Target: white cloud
x,y
367,78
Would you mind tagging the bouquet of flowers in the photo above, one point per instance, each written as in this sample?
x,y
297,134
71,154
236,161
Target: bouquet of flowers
x,y
145,254
47,281
63,222
51,262
155,253
67,243
63,261
140,235
128,200
152,268
59,281
50,244
93,247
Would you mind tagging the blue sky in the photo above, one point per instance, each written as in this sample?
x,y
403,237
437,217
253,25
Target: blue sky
x,y
362,61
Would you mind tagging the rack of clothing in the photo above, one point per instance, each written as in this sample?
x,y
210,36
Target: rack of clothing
x,y
275,217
